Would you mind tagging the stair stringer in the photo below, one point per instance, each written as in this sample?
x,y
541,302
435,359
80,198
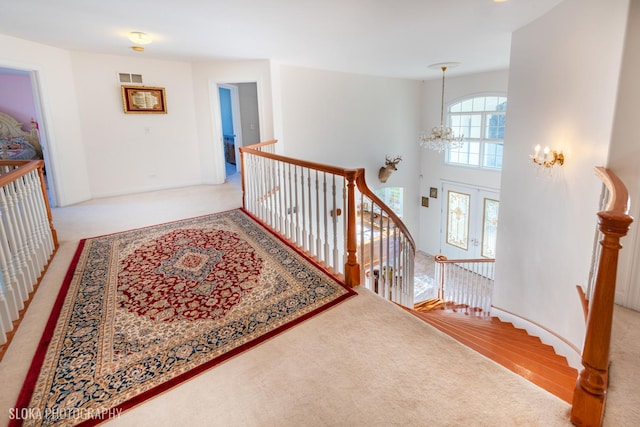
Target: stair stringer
x,y
560,345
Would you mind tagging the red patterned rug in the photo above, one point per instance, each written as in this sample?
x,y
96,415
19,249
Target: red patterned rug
x,y
141,311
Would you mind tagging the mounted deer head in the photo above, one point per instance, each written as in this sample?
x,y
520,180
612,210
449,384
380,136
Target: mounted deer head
x,y
389,167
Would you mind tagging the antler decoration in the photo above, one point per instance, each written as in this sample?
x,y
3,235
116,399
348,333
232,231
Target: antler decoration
x,y
389,167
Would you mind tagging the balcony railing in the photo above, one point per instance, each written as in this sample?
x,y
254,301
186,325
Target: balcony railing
x,y
589,397
466,284
27,237
331,215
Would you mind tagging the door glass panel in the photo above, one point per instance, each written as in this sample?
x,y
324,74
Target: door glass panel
x,y
458,219
489,227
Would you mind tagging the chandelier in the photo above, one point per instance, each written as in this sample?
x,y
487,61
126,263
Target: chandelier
x,y
441,138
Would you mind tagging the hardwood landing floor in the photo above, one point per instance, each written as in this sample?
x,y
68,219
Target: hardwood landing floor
x,y
507,345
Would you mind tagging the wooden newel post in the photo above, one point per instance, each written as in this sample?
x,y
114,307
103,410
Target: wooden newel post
x,y
442,266
351,268
591,386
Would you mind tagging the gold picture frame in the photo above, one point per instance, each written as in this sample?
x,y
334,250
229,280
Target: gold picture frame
x,y
144,100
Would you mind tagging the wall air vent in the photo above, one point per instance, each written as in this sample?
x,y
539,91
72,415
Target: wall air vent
x,y
130,78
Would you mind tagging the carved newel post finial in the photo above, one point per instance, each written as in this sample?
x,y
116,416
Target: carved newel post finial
x,y
389,167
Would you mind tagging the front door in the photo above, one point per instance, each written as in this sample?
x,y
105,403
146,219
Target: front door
x,y
469,221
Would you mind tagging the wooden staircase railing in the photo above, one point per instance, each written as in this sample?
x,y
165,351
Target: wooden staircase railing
x,y
589,397
467,283
386,249
330,214
28,239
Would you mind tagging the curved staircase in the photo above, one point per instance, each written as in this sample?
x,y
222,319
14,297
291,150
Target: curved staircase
x,y
505,344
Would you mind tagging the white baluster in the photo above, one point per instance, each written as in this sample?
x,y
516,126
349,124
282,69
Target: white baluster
x,y
8,266
303,213
335,262
318,241
32,181
310,231
22,234
26,217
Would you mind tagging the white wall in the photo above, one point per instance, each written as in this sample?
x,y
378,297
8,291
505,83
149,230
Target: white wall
x,y
562,87
432,163
130,153
60,120
353,121
624,159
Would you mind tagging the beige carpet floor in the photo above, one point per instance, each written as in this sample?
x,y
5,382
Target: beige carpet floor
x,y
364,362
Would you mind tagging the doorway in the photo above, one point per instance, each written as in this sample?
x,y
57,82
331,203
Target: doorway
x,y
240,125
469,221
20,98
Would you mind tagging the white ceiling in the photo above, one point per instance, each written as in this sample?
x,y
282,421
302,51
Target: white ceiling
x,y
396,38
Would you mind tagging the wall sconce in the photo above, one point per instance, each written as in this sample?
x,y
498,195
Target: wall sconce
x,y
548,158
389,167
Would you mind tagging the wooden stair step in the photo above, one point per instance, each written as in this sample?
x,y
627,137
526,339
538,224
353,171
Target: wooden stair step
x,y
508,346
533,355
503,329
560,384
502,333
493,323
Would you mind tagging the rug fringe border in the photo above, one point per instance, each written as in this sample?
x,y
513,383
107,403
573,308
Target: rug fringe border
x,y
26,392
292,246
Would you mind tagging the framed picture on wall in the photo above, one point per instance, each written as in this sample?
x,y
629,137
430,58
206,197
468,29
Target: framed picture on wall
x,y
144,100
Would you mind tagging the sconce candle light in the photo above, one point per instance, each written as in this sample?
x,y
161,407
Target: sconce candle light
x,y
548,158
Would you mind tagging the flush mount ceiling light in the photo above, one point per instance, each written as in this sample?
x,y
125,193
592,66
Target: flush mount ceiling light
x,y
138,37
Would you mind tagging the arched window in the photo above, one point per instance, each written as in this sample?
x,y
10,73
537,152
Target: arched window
x,y
481,120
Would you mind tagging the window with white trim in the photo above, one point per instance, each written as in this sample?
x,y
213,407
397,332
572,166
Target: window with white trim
x,y
392,197
481,120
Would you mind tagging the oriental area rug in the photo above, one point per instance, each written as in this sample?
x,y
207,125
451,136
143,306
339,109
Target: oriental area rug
x,y
143,310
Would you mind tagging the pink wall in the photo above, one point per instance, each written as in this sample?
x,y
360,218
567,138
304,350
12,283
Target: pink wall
x,y
16,98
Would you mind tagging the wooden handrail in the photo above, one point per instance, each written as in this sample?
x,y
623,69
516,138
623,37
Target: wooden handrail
x,y
354,178
303,163
589,396
448,284
23,168
619,196
446,260
364,189
352,268
26,246
260,144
